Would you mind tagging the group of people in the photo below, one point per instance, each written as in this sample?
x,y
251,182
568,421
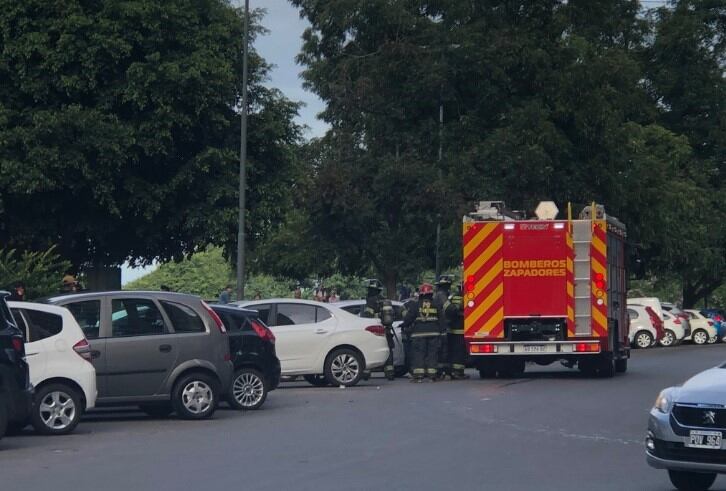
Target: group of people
x,y
432,328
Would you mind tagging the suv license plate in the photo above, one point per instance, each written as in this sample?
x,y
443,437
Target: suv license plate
x,y
536,348
704,439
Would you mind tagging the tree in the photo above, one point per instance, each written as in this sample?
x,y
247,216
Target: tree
x,y
119,129
40,272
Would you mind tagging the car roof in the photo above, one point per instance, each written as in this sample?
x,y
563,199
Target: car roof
x,y
361,301
234,309
63,297
282,300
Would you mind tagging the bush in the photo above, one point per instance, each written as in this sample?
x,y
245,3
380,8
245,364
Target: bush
x,y
40,272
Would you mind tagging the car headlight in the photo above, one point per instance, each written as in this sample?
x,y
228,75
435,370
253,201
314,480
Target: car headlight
x,y
664,402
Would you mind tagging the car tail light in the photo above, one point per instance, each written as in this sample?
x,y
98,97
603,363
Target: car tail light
x,y
263,332
215,317
18,344
376,330
484,348
677,320
587,348
83,349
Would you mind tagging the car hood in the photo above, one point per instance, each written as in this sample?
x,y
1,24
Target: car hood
x,y
708,387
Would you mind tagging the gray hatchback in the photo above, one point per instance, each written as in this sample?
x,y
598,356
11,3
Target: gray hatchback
x,y
162,351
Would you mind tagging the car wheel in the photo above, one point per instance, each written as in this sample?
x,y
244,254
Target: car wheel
x,y
3,420
195,396
712,340
162,410
643,339
57,409
621,365
691,481
669,339
316,380
248,389
699,337
344,367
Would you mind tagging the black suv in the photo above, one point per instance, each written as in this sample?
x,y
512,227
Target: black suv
x,y
16,393
252,346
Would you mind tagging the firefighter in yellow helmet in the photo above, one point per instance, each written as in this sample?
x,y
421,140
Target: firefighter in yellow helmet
x,y
423,322
377,306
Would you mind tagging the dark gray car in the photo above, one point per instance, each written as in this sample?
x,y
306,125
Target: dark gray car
x,y
163,351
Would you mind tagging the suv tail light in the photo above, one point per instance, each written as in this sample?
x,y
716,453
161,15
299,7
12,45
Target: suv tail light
x,y
377,330
83,349
262,331
18,345
215,317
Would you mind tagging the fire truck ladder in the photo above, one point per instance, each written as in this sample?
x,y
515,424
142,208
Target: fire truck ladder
x,y
582,238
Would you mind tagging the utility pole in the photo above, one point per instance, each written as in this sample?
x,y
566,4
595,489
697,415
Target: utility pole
x,y
243,162
441,155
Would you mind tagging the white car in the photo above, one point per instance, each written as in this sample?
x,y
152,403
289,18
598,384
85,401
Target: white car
x,y
703,329
642,333
399,353
59,358
322,342
674,330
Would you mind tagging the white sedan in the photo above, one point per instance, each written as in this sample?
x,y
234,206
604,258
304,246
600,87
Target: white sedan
x,y
59,358
322,342
703,329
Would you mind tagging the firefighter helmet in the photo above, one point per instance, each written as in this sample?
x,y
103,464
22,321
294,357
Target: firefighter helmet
x,y
426,289
374,284
445,280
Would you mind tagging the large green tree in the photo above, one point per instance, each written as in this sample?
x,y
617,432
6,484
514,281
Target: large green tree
x,y
119,128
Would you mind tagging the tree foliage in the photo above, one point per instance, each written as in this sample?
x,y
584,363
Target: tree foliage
x,y
41,272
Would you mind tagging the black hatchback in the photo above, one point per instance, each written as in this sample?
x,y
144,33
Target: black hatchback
x,y
16,392
252,346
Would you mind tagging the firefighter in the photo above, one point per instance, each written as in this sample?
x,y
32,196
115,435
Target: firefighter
x,y
423,324
377,306
442,301
456,344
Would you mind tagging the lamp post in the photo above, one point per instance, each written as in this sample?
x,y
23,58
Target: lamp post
x,y
243,163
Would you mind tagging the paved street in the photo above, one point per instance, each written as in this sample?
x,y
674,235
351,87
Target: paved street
x,y
551,430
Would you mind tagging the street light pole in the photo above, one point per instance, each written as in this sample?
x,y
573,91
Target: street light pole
x,y
243,163
441,155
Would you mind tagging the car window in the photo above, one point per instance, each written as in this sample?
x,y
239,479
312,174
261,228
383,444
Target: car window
x,y
183,318
290,313
233,322
322,314
20,322
633,313
88,316
40,325
353,309
135,317
263,310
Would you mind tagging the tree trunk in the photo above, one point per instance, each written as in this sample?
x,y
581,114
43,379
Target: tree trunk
x,y
389,280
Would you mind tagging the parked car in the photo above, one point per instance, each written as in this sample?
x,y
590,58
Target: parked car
x,y
165,352
252,346
399,353
685,318
646,328
703,329
685,431
16,391
718,316
675,332
652,302
323,343
59,357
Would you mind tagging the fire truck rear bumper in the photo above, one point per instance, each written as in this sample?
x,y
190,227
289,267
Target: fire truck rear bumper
x,y
529,348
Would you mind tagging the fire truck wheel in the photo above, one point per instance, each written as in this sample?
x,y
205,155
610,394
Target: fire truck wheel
x,y
486,370
511,369
621,365
606,368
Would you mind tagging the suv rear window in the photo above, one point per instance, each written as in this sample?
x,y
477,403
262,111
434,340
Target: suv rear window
x,y
183,318
40,325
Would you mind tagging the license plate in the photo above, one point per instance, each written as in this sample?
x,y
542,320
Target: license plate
x,y
704,439
537,348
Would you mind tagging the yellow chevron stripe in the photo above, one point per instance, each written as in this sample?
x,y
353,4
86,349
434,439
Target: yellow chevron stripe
x,y
600,319
483,307
493,322
570,265
570,313
599,268
599,245
482,234
490,275
494,247
570,289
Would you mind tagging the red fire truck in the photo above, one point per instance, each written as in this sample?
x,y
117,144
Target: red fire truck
x,y
545,290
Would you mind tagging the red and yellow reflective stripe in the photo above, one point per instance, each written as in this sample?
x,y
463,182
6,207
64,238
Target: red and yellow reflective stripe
x,y
598,265
570,283
484,262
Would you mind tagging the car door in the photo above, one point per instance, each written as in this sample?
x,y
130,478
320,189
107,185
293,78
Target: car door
x,y
35,355
301,331
140,351
92,316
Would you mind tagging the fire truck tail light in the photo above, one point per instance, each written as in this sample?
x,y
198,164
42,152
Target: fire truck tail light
x,y
483,348
470,304
508,226
587,348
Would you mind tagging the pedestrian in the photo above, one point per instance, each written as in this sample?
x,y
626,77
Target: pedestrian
x,y
68,281
18,293
441,299
423,324
258,295
334,296
226,295
377,306
456,343
297,293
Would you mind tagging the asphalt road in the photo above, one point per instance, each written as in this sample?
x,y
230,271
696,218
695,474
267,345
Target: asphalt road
x,y
552,430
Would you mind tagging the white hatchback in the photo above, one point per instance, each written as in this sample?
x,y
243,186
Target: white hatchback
x,y
703,329
322,342
674,330
59,358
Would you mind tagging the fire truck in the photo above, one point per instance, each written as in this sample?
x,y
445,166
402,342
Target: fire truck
x,y
544,290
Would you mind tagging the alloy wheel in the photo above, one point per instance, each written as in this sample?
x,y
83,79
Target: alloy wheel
x,y
57,410
248,389
197,397
700,337
643,340
668,339
345,368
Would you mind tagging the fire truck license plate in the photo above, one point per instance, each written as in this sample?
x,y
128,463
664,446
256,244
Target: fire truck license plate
x,y
535,348
704,439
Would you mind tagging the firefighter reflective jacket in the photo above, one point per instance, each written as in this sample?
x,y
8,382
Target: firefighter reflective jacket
x,y
423,318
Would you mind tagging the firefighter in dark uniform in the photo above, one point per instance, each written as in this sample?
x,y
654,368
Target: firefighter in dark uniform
x,y
442,301
423,324
457,347
377,306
